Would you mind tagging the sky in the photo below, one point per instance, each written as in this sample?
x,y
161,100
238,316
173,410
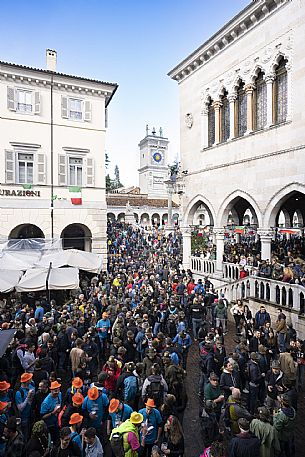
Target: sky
x,y
130,42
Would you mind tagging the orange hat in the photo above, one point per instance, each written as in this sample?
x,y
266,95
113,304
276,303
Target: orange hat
x,y
77,383
3,405
150,402
78,399
55,385
105,315
93,393
26,377
75,418
113,405
4,385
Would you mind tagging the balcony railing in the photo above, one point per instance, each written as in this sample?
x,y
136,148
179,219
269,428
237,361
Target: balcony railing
x,y
275,292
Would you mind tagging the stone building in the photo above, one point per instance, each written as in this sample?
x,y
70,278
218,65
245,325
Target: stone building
x,y
242,123
52,172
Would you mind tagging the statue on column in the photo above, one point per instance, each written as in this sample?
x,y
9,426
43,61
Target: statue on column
x,y
129,216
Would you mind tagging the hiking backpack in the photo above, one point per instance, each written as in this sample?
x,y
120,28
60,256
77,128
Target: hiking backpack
x,y
155,390
117,444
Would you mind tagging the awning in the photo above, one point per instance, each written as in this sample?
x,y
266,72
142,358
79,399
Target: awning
x,y
83,260
6,337
290,231
18,260
9,279
59,279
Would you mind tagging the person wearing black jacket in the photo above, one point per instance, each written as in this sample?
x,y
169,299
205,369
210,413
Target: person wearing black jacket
x,y
274,380
255,381
229,379
196,311
245,444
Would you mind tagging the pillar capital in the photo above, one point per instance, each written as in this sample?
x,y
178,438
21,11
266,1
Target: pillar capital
x,y
232,97
217,104
219,232
186,231
265,233
249,88
269,78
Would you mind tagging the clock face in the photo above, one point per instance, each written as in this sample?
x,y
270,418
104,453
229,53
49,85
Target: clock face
x,y
157,156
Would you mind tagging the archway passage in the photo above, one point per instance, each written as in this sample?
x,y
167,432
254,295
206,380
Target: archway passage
x,y
111,217
200,214
26,231
240,212
77,236
155,219
291,212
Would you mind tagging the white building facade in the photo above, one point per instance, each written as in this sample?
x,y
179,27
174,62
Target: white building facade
x,y
242,104
52,142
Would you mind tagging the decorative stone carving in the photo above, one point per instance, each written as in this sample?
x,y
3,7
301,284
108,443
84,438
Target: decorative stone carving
x,y
267,54
189,120
247,67
265,233
219,231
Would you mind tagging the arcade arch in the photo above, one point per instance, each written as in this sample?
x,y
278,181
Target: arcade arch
x,y
77,236
25,231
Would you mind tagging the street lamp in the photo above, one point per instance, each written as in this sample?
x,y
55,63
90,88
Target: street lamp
x,y
174,185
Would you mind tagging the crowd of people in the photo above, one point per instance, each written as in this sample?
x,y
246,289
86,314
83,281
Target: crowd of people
x,y
105,374
287,262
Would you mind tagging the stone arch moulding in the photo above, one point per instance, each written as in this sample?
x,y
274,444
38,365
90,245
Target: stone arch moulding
x,y
254,73
277,58
224,208
191,205
277,200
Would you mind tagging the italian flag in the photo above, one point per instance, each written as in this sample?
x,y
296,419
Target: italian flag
x,y
76,195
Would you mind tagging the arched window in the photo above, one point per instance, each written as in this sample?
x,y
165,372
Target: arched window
x,y
225,118
211,124
280,92
241,110
260,102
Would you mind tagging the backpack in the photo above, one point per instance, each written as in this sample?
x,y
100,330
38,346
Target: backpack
x,y
131,388
155,390
117,444
15,359
60,415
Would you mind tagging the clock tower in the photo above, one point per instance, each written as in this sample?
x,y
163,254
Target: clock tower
x,y
153,169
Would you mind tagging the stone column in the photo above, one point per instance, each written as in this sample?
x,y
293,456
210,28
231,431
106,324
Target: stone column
x,y
232,100
249,92
289,91
217,105
219,232
186,247
170,208
269,83
204,120
266,238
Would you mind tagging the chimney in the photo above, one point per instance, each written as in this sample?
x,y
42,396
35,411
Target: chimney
x,y
51,59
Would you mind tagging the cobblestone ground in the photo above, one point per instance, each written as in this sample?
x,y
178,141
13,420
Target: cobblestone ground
x,y
193,442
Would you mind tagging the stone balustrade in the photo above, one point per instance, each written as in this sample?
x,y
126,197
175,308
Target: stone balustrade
x,y
277,293
202,266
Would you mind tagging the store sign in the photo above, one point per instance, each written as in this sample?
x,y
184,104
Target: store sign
x,y
19,193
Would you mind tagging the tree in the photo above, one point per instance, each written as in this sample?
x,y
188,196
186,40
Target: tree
x,y
117,177
109,183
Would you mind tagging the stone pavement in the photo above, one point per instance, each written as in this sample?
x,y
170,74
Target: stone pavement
x,y
191,426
